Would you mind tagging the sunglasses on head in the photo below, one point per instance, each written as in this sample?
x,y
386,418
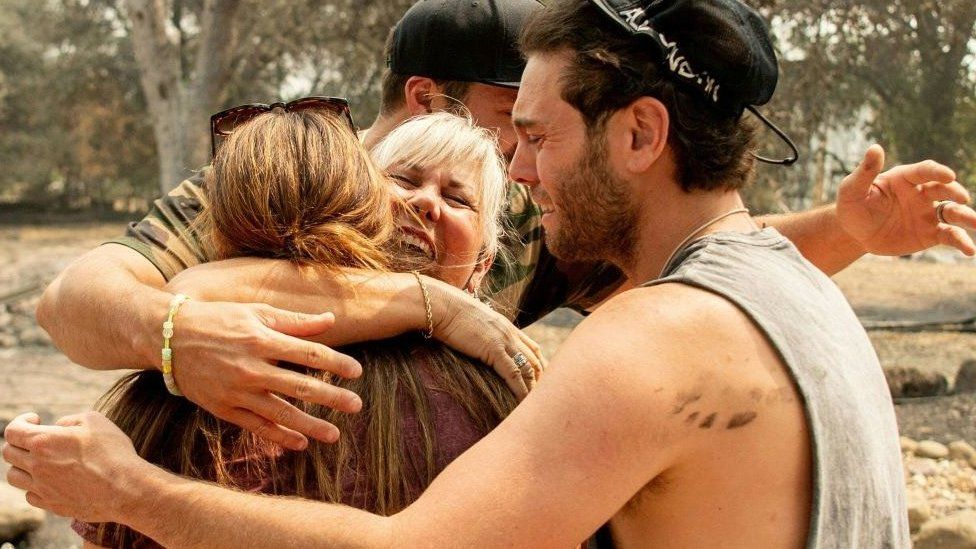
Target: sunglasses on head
x,y
225,122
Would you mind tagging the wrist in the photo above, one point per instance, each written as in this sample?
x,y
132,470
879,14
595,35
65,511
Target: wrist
x,y
847,242
146,338
444,304
140,484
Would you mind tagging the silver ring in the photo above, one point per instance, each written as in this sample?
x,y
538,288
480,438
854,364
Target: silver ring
x,y
938,210
520,360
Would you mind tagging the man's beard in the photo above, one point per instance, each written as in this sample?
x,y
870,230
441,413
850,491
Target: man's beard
x,y
598,221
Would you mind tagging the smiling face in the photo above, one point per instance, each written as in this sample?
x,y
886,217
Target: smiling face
x,y
450,186
588,213
441,219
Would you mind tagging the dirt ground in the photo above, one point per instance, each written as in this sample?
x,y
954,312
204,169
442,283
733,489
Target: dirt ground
x,y
38,378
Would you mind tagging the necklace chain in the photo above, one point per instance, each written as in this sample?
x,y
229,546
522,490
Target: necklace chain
x,y
697,230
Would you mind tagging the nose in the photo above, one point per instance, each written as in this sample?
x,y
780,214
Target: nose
x,y
425,203
522,167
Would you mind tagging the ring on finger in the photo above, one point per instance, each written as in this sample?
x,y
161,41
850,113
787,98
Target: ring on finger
x,y
939,210
520,360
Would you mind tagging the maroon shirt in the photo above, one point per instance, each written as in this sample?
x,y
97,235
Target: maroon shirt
x,y
454,430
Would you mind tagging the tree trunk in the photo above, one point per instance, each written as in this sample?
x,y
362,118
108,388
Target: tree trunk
x,y
179,103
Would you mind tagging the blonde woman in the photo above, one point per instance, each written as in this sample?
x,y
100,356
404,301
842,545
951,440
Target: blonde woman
x,y
298,186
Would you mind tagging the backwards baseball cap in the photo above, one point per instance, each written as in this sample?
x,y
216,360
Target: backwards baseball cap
x,y
720,49
464,40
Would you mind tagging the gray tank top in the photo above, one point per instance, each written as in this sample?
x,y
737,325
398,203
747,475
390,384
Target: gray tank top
x,y
858,483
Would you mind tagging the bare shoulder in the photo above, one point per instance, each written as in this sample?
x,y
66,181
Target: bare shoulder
x,y
683,345
669,322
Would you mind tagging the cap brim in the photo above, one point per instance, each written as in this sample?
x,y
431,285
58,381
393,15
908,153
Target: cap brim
x,y
515,85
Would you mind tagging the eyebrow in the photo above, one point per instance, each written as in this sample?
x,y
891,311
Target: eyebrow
x,y
522,122
455,184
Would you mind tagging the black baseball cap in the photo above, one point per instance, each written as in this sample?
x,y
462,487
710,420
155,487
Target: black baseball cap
x,y
722,49
464,40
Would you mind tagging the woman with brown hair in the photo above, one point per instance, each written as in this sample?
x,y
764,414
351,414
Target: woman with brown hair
x,y
299,186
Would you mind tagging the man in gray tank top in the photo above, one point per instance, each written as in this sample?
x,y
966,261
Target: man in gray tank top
x,y
729,399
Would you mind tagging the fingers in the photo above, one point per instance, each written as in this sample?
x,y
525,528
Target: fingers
x,y
959,215
18,478
313,355
295,324
17,457
309,389
538,357
924,172
266,429
957,237
70,421
860,180
283,414
516,382
24,429
936,191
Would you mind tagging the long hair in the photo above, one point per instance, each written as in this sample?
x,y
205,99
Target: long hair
x,y
299,186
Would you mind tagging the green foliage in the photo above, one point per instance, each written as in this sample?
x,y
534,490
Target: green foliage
x,y
74,125
899,72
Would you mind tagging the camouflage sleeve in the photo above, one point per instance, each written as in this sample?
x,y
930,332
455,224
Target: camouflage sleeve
x,y
529,283
165,236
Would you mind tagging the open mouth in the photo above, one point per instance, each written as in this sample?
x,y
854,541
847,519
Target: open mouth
x,y
418,239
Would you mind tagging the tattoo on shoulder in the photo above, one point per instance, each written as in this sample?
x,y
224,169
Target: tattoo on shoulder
x,y
740,420
708,421
684,400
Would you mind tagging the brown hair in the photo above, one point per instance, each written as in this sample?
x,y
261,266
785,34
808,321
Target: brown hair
x,y
299,186
609,69
393,84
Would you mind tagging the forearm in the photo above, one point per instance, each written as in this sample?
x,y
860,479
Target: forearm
x,y
187,513
367,305
819,237
104,314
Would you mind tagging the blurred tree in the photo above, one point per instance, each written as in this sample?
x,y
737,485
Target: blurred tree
x,y
74,132
902,70
102,95
196,55
104,98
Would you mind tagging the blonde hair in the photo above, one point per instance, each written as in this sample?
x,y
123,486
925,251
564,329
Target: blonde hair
x,y
446,139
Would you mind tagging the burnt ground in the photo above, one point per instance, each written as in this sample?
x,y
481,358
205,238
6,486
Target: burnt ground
x,y
38,378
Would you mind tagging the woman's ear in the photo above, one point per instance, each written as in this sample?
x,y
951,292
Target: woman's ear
x,y
418,93
481,268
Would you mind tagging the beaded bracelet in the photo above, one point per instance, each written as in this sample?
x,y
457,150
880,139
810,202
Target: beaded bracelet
x,y
430,317
167,352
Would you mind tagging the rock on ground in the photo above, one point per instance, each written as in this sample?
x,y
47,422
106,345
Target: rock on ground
x,y
17,517
957,531
919,511
931,449
966,377
912,382
961,450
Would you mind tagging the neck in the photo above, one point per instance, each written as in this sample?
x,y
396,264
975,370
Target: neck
x,y
382,126
687,217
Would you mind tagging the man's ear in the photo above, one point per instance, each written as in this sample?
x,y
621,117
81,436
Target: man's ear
x,y
418,93
648,122
480,270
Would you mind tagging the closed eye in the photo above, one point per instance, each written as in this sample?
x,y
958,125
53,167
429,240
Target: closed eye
x,y
461,201
403,180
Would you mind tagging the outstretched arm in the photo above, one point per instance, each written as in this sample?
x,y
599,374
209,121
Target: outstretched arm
x,y
889,213
555,486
